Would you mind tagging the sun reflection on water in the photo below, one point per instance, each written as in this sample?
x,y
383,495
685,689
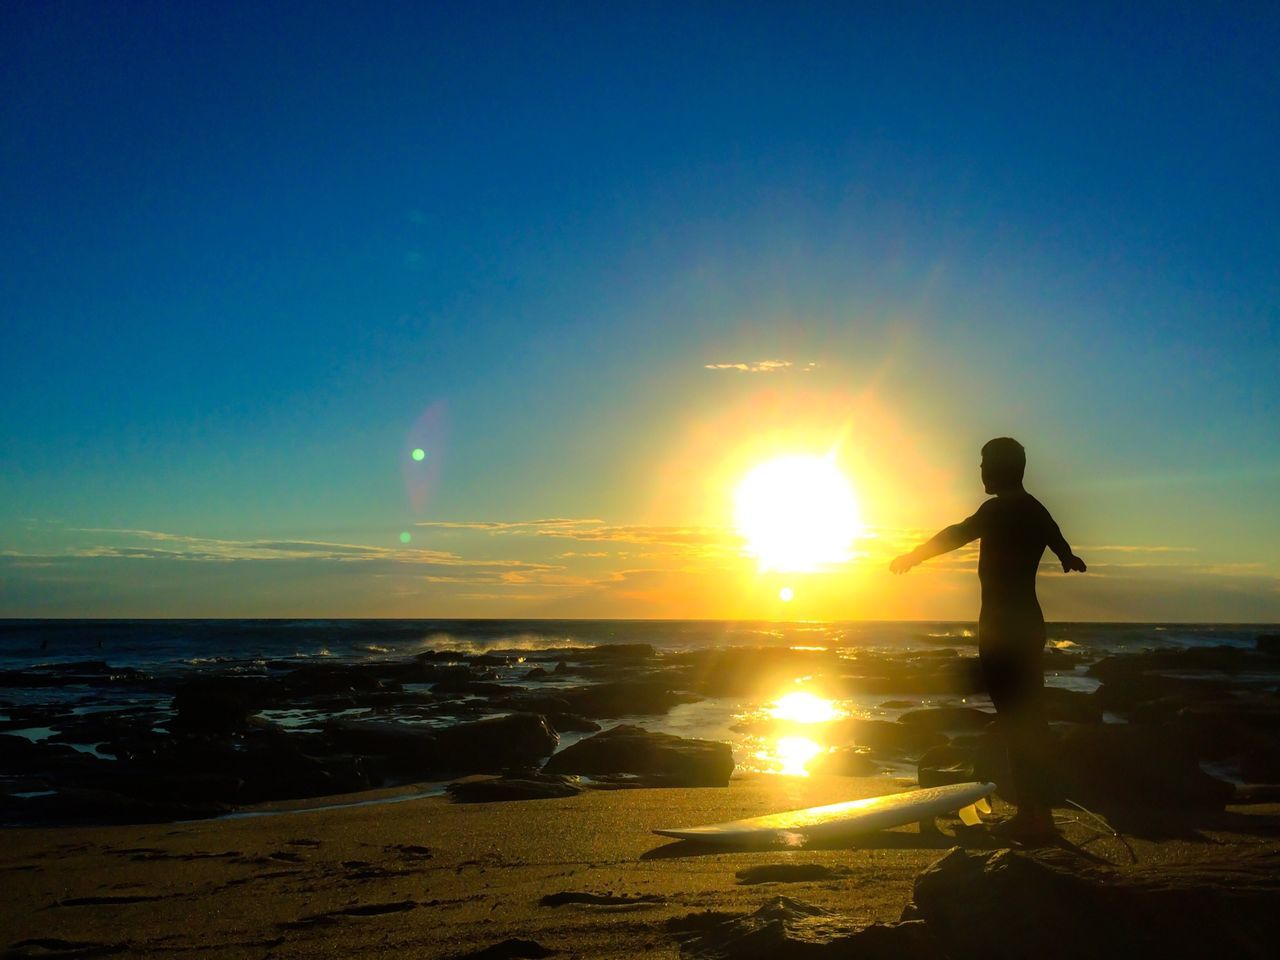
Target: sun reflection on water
x,y
801,707
794,754
799,733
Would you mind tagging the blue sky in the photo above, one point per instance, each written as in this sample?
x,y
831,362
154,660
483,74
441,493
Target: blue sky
x,y
248,247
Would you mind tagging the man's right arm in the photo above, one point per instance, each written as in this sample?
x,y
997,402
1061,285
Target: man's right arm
x,y
944,541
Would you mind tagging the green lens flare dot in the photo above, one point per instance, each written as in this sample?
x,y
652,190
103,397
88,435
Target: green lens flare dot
x,y
405,538
419,454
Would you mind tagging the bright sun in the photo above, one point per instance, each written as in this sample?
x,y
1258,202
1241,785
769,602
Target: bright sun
x,y
797,513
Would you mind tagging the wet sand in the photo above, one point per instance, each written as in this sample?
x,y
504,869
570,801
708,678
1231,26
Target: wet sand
x,y
431,878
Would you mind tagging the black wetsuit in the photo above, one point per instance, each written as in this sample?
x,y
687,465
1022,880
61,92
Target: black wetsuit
x,y
1014,529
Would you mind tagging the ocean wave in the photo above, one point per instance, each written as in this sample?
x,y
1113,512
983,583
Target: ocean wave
x,y
520,641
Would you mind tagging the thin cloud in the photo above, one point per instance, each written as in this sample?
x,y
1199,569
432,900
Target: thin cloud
x,y
1135,548
159,545
762,366
591,531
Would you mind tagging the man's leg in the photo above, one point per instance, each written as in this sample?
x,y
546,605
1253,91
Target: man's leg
x,y
1015,681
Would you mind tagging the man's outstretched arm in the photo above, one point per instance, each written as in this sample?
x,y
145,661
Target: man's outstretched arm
x,y
1058,544
944,541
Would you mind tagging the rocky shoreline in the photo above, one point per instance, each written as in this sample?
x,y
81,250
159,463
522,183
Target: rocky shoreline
x,y
208,744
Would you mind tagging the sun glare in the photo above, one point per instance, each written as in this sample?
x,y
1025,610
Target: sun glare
x,y
800,707
797,513
794,754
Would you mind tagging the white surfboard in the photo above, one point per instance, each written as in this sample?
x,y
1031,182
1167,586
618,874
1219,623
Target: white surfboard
x,y
850,818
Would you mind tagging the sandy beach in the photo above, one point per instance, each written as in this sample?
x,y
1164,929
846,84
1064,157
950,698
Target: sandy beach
x,y
431,878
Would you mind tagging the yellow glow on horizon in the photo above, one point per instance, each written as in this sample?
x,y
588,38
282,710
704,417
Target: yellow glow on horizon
x,y
797,513
801,707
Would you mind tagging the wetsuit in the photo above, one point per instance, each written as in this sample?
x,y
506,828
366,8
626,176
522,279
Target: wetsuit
x,y
1014,529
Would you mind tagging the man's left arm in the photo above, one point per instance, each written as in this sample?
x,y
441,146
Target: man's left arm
x,y
1058,544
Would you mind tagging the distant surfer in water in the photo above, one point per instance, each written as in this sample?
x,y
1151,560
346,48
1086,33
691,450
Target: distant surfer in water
x,y
1014,528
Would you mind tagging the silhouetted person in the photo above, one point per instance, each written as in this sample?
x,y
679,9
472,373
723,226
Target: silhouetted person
x,y
1014,528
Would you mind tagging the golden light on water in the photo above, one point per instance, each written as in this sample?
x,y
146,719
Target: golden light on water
x,y
797,734
801,707
794,753
797,513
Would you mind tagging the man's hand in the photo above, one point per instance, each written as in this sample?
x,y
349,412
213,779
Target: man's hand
x,y
904,563
1073,563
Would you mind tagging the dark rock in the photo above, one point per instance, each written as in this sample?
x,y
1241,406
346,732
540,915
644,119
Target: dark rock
x,y
489,746
218,703
1112,764
1187,676
526,787
1257,793
1123,693
102,807
1056,905
472,688
11,785
948,719
537,673
660,758
20,755
278,774
788,873
979,757
624,698
885,738
1260,763
790,928
571,723
597,899
1071,706
174,788
845,762
93,672
412,747
946,764
1224,727
320,679
1219,659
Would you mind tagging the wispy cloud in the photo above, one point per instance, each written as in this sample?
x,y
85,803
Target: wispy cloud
x,y
1133,548
597,531
159,545
762,366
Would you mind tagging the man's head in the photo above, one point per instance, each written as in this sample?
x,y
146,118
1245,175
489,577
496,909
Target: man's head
x,y
1003,462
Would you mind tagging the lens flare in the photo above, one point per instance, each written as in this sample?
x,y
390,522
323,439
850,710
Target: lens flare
x,y
419,454
405,537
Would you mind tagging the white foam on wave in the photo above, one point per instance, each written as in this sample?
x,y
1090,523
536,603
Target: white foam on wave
x,y
518,641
